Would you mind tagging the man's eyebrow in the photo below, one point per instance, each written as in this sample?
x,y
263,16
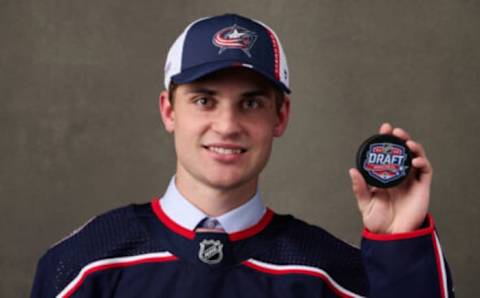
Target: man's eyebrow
x,y
202,90
257,92
207,91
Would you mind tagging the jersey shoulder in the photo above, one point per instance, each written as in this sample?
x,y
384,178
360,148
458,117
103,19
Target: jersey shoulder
x,y
116,233
304,242
105,231
301,244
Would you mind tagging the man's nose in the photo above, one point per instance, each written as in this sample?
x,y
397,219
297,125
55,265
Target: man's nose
x,y
227,122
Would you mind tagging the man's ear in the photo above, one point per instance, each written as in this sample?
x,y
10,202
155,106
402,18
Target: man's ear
x,y
282,116
166,111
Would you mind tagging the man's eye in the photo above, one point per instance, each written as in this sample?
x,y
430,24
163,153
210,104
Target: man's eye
x,y
251,104
202,101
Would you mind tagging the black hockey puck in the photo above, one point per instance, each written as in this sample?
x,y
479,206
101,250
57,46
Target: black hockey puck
x,y
384,160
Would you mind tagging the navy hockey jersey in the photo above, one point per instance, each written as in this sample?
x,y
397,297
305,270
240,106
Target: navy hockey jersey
x,y
138,251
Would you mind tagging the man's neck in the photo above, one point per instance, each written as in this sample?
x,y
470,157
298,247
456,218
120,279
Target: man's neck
x,y
211,200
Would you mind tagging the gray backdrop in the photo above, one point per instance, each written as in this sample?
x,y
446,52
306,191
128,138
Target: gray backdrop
x,y
80,131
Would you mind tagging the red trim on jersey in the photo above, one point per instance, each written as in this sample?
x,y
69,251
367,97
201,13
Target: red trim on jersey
x,y
399,236
438,261
276,54
172,225
323,277
262,224
116,265
169,222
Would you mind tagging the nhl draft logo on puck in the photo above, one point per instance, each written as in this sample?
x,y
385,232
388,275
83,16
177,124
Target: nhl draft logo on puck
x,y
235,37
384,160
211,251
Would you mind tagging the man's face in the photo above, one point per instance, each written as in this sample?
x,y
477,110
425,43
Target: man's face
x,y
224,127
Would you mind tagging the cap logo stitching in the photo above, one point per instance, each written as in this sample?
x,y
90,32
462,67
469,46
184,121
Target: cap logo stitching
x,y
235,37
385,162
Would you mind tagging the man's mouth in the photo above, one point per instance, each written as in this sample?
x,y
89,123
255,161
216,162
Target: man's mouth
x,y
225,150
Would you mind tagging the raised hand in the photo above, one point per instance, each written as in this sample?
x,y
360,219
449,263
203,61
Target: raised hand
x,y
402,208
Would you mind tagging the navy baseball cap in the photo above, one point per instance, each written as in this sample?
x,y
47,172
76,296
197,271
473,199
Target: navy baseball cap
x,y
214,43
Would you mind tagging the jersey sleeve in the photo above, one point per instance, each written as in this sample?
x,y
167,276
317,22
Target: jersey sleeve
x,y
406,264
43,285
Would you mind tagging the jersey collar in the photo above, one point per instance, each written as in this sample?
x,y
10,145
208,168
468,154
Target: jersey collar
x,y
188,216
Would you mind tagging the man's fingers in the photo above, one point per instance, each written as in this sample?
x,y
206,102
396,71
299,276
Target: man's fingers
x,y
385,129
360,188
422,164
401,133
416,148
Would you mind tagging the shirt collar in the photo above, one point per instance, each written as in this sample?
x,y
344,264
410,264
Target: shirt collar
x,y
184,213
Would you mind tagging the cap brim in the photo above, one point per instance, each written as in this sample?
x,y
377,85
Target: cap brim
x,y
195,73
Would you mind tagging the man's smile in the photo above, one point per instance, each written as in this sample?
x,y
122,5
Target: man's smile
x,y
225,149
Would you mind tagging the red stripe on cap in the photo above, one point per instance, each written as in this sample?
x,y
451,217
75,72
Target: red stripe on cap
x,y
276,54
262,224
399,236
169,222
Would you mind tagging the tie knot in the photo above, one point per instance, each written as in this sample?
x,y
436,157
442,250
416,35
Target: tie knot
x,y
210,224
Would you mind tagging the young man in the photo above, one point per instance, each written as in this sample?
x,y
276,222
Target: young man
x,y
210,234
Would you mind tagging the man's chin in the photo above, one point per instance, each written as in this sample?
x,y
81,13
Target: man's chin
x,y
228,183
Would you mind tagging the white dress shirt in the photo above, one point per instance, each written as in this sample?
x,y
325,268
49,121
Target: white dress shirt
x,y
184,213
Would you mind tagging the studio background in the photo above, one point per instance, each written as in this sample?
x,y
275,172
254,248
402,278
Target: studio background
x,y
81,133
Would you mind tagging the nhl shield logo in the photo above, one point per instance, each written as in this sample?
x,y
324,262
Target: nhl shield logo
x,y
211,251
385,162
235,37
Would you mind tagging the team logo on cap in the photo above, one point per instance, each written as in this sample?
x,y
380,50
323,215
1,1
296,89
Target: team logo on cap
x,y
211,251
235,37
385,161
